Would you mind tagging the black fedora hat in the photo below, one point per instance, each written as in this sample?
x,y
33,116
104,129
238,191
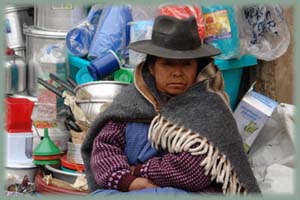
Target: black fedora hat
x,y
175,38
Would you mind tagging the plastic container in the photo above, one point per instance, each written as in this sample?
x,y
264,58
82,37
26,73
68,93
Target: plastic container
x,y
78,69
80,73
232,71
83,76
19,148
18,115
221,30
67,170
104,65
42,188
124,75
63,175
71,166
14,172
74,153
58,16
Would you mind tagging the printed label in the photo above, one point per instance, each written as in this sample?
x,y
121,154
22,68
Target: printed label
x,y
251,115
217,26
45,124
62,6
7,26
14,77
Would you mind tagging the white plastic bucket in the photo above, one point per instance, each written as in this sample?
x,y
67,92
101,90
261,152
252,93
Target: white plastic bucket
x,y
19,148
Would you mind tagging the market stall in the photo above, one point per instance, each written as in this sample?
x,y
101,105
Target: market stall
x,y
65,64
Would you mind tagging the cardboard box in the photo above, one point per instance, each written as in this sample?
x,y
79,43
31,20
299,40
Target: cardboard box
x,y
251,115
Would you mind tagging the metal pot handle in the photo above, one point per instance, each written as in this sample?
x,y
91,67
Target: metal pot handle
x,y
50,87
61,82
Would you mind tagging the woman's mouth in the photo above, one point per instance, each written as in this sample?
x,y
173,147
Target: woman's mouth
x,y
177,85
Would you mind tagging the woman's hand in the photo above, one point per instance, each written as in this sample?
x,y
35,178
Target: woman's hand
x,y
141,183
132,168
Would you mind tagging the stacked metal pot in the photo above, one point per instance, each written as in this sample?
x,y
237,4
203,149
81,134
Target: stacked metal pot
x,y
17,16
46,53
45,40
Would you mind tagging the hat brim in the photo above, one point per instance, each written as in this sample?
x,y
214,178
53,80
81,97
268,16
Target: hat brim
x,y
147,47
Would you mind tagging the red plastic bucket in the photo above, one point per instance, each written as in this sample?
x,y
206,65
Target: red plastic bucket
x,y
18,115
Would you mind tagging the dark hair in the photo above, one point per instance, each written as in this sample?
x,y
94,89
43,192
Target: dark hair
x,y
150,60
202,62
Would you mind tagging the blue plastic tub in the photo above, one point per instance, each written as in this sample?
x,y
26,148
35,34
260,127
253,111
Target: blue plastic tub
x,y
80,73
78,67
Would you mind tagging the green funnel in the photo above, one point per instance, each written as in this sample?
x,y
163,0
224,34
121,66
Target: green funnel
x,y
46,147
46,162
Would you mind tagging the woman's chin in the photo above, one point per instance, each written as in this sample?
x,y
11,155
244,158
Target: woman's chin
x,y
175,91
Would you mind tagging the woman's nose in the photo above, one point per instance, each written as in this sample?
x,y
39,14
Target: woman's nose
x,y
177,71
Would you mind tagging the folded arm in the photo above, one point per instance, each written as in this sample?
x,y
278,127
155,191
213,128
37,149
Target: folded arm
x,y
175,170
109,163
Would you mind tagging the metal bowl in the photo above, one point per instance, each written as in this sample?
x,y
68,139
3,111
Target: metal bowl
x,y
63,175
18,171
92,108
99,90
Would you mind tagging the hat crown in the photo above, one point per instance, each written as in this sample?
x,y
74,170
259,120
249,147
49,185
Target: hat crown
x,y
172,33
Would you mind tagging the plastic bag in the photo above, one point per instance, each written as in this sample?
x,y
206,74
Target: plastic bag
x,y
79,38
185,11
221,30
263,31
139,30
272,153
113,32
144,12
53,53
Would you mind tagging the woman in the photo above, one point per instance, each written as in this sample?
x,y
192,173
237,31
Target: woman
x,y
173,129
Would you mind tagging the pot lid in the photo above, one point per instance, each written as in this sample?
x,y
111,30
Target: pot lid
x,y
20,166
33,31
13,8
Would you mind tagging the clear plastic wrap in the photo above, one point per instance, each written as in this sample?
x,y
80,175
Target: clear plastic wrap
x,y
79,38
113,32
185,11
53,53
221,30
144,12
139,30
263,31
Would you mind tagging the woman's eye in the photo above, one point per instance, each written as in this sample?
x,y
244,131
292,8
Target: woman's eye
x,y
187,64
167,63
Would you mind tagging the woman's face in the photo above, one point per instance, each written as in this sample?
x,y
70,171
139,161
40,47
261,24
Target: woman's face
x,y
174,76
